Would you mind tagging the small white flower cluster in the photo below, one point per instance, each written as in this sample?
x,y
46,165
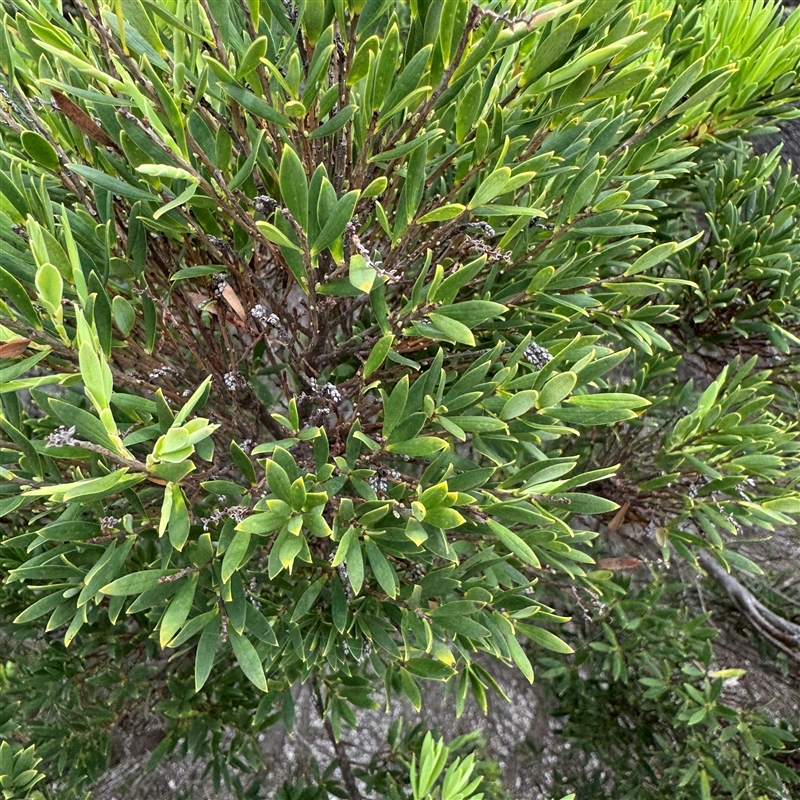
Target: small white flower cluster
x,y
160,372
366,650
415,572
344,577
107,523
235,380
332,393
247,445
483,227
379,481
236,513
479,247
61,437
259,314
741,492
218,285
537,355
327,392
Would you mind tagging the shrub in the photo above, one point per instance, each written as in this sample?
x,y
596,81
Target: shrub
x,y
327,327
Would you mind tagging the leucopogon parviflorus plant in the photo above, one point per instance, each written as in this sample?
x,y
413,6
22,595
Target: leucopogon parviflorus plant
x,y
326,329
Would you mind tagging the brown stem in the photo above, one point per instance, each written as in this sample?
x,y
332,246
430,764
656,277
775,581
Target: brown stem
x,y
782,633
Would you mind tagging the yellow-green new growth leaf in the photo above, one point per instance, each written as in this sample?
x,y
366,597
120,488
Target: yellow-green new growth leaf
x,y
272,234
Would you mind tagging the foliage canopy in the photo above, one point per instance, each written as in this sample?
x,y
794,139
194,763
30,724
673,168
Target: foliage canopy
x,y
326,330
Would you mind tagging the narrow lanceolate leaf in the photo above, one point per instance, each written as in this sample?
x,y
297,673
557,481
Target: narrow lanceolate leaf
x,y
378,354
513,542
544,638
272,234
491,187
248,659
381,568
337,221
294,186
556,389
256,105
206,651
235,553
177,611
135,583
308,598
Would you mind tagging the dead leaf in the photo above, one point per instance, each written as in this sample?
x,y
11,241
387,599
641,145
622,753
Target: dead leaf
x,y
616,564
233,301
619,517
14,348
81,120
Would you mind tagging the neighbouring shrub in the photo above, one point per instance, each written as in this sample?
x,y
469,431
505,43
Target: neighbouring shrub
x,y
325,328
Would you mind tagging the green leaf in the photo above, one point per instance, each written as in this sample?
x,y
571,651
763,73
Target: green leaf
x,y
243,462
268,522
556,389
581,503
135,583
11,289
513,542
491,187
394,406
272,234
124,315
294,186
248,659
50,286
355,564
660,252
41,607
381,568
444,518
235,554
337,221
40,150
187,273
609,400
252,57
442,213
378,354
177,611
518,654
545,639
451,329
206,651
279,482
308,598
428,668
421,446
187,194
407,82
179,522
255,105
113,185
519,404
680,86
335,123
